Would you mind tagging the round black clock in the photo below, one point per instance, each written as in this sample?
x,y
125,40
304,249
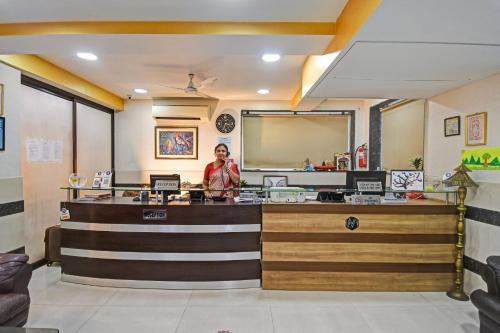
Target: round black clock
x,y
225,123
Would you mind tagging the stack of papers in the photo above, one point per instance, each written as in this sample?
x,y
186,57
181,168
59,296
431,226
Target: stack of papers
x,y
95,197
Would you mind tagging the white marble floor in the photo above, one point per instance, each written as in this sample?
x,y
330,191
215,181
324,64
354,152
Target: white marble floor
x,y
85,309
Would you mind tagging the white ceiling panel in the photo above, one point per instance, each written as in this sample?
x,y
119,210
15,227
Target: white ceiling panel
x,y
350,88
178,10
239,77
418,61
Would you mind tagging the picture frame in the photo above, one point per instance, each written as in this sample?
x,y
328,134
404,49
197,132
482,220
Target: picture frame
x,y
179,143
2,133
407,180
274,181
476,129
343,161
452,126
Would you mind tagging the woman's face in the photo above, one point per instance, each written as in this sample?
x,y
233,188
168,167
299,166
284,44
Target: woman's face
x,y
220,152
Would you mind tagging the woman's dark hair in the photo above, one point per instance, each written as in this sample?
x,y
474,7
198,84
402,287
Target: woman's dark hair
x,y
222,145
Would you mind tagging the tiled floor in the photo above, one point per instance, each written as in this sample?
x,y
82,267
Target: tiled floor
x,y
84,309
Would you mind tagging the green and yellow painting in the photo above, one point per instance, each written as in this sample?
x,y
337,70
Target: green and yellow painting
x,y
482,158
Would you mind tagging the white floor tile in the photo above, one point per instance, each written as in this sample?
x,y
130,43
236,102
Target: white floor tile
x,y
62,293
133,320
300,298
338,319
73,307
230,297
149,297
242,319
68,319
386,298
408,319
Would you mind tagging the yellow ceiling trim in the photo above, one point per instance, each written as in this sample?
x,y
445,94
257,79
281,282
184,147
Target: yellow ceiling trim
x,y
352,18
41,68
168,27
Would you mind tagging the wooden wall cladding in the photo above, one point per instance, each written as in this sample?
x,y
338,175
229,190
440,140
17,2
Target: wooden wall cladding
x,y
387,252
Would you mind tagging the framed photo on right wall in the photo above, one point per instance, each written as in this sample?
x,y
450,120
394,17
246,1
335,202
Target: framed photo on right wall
x,y
475,129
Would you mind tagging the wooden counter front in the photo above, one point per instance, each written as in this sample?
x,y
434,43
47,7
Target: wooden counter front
x,y
396,247
122,243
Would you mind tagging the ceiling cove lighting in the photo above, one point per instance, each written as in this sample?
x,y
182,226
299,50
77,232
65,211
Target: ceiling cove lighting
x,y
271,57
263,91
87,56
140,91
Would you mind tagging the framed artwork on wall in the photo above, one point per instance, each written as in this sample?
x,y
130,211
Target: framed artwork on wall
x,y
274,181
176,142
407,180
2,133
452,126
475,129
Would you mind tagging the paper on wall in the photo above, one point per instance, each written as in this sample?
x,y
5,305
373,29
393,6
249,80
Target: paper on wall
x,y
225,140
33,150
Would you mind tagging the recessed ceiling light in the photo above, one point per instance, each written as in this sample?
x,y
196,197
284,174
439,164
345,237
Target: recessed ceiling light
x,y
140,91
271,57
87,56
263,91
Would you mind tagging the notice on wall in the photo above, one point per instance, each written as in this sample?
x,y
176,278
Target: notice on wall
x,y
43,150
225,140
33,150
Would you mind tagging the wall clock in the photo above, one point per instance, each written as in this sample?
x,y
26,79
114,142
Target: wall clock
x,y
225,123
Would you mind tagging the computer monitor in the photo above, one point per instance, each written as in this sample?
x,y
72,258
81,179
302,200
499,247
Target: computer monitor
x,y
366,182
168,182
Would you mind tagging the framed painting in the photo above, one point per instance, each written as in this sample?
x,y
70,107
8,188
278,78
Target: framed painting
x,y
452,126
475,129
176,142
407,180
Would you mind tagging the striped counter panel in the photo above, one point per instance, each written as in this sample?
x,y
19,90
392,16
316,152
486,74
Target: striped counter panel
x,y
195,247
386,252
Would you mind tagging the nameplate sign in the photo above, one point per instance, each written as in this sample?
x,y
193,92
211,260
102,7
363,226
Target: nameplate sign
x,y
166,185
364,186
154,214
365,199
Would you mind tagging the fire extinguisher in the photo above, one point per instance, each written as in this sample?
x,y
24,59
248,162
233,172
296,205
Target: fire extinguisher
x,y
362,154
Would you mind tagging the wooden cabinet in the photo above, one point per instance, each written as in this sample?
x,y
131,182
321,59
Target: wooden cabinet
x,y
406,247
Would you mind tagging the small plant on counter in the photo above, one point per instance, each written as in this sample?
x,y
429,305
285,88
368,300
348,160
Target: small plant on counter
x,y
417,163
243,183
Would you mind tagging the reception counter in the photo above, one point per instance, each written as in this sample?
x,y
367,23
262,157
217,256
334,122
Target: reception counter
x,y
397,247
121,243
308,246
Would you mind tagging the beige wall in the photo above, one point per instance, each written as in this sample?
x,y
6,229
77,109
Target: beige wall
x,y
44,116
93,142
444,153
135,142
403,135
11,181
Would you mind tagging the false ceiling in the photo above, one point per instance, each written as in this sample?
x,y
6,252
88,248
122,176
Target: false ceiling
x,y
156,61
416,49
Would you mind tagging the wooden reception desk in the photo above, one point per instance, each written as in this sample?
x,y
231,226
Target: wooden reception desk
x,y
403,247
122,243
396,247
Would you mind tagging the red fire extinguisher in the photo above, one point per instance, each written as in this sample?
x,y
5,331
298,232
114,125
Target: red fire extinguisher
x,y
362,153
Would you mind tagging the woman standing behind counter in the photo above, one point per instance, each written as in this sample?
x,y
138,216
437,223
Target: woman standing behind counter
x,y
221,175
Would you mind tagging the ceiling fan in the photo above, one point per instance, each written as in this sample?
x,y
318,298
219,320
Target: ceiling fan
x,y
193,89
